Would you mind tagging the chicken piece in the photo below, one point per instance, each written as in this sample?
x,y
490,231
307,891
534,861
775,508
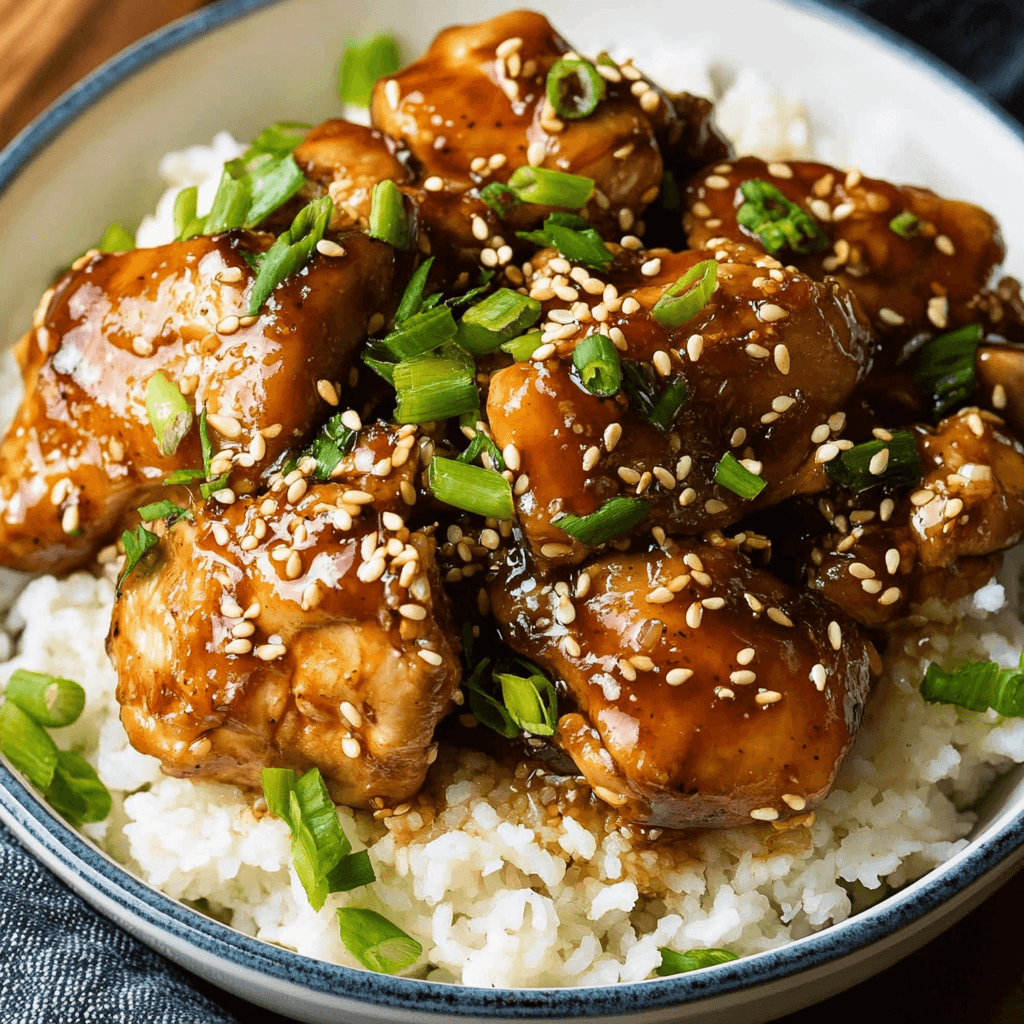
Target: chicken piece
x,y
81,450
698,143
928,281
882,554
767,362
1000,374
300,633
702,692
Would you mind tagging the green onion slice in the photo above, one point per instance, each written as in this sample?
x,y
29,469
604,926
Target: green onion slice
x,y
117,238
735,477
185,213
164,510
852,468
375,942
136,544
329,447
597,363
179,477
500,317
490,711
573,237
688,296
412,297
434,387
500,198
421,333
777,221
47,700
614,518
946,369
905,224
467,298
471,488
27,746
75,791
691,960
272,183
169,414
977,686
230,205
482,443
655,404
548,187
521,348
574,87
362,64
530,699
388,220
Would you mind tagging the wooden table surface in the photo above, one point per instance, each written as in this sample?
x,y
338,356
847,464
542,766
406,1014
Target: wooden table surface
x,y
973,974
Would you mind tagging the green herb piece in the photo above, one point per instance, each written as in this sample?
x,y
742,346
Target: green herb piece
x,y
946,369
691,960
271,184
47,700
467,298
434,387
388,220
164,510
471,488
179,477
136,544
777,221
321,852
530,700
230,205
482,443
291,250
614,518
362,64
688,296
548,187
491,712
521,348
412,297
500,317
597,363
375,942
905,224
977,686
169,414
573,237
500,198
382,367
277,140
75,791
421,333
655,404
852,468
329,447
27,746
117,238
574,87
185,213
735,477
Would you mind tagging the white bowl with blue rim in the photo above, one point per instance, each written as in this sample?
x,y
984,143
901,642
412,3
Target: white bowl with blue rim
x,y
91,158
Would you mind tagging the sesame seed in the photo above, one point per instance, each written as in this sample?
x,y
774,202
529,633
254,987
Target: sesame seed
x,y
764,814
938,311
742,677
651,267
226,496
628,475
392,93
229,325
890,596
842,211
756,351
630,305
835,635
716,181
724,693
350,747
678,676
694,614
945,245
430,657
70,520
713,506
416,612
921,497
890,316
769,312
687,497
142,347
766,697
662,362
270,652
556,550
713,604
612,436
780,170
783,403
797,803
777,615
328,248
826,453
649,101
664,477
327,392
240,646
861,571
660,595
692,561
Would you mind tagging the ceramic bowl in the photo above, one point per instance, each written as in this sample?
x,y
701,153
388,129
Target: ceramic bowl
x,y
91,159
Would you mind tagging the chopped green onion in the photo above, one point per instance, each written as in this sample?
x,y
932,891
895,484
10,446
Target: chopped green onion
x,y
471,488
169,414
180,477
47,700
905,224
597,362
977,686
382,367
688,296
500,198
530,700
362,64
852,468
547,187
421,333
136,544
521,348
491,712
375,942
734,476
692,960
482,443
291,250
27,746
434,388
230,205
500,317
573,237
574,87
466,298
388,220
330,446
117,238
164,510
655,405
777,221
277,140
76,791
272,183
412,297
946,369
614,518
185,212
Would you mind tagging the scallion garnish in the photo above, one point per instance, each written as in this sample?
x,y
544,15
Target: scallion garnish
x,y
467,298
688,296
490,711
388,220
321,852
434,387
500,198
48,700
230,205
777,221
421,333
735,477
471,488
852,468
530,699
291,250
27,745
905,224
548,187
597,363
656,404
412,297
362,64
614,518
574,87
183,477
977,686
163,510
136,544
169,414
186,223
482,443
500,317
946,369
521,348
375,942
329,447
573,237
691,960
75,791
117,238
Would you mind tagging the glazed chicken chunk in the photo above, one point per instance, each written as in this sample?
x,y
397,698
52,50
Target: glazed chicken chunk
x,y
306,628
81,451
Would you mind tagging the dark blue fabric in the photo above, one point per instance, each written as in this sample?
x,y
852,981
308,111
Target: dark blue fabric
x,y
61,962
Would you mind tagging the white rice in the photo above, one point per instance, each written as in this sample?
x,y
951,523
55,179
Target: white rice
x,y
499,891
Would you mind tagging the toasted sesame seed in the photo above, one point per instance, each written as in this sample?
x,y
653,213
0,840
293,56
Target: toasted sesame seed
x,y
239,646
826,453
879,462
630,305
769,312
716,181
678,676
651,267
694,614
764,814
618,338
270,652
662,362
327,391
713,506
782,403
713,604
835,635
392,93
945,245
756,351
226,496
871,586
683,467
782,360
819,676
921,497
430,657
229,325
792,800
612,435
780,170
861,571
628,475
777,615
742,677
890,316
753,603
664,477
890,596
415,612
660,595
556,550
766,697
687,497
69,521
745,656
842,211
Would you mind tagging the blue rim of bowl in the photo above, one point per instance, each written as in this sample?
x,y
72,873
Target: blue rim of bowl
x,y
29,817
